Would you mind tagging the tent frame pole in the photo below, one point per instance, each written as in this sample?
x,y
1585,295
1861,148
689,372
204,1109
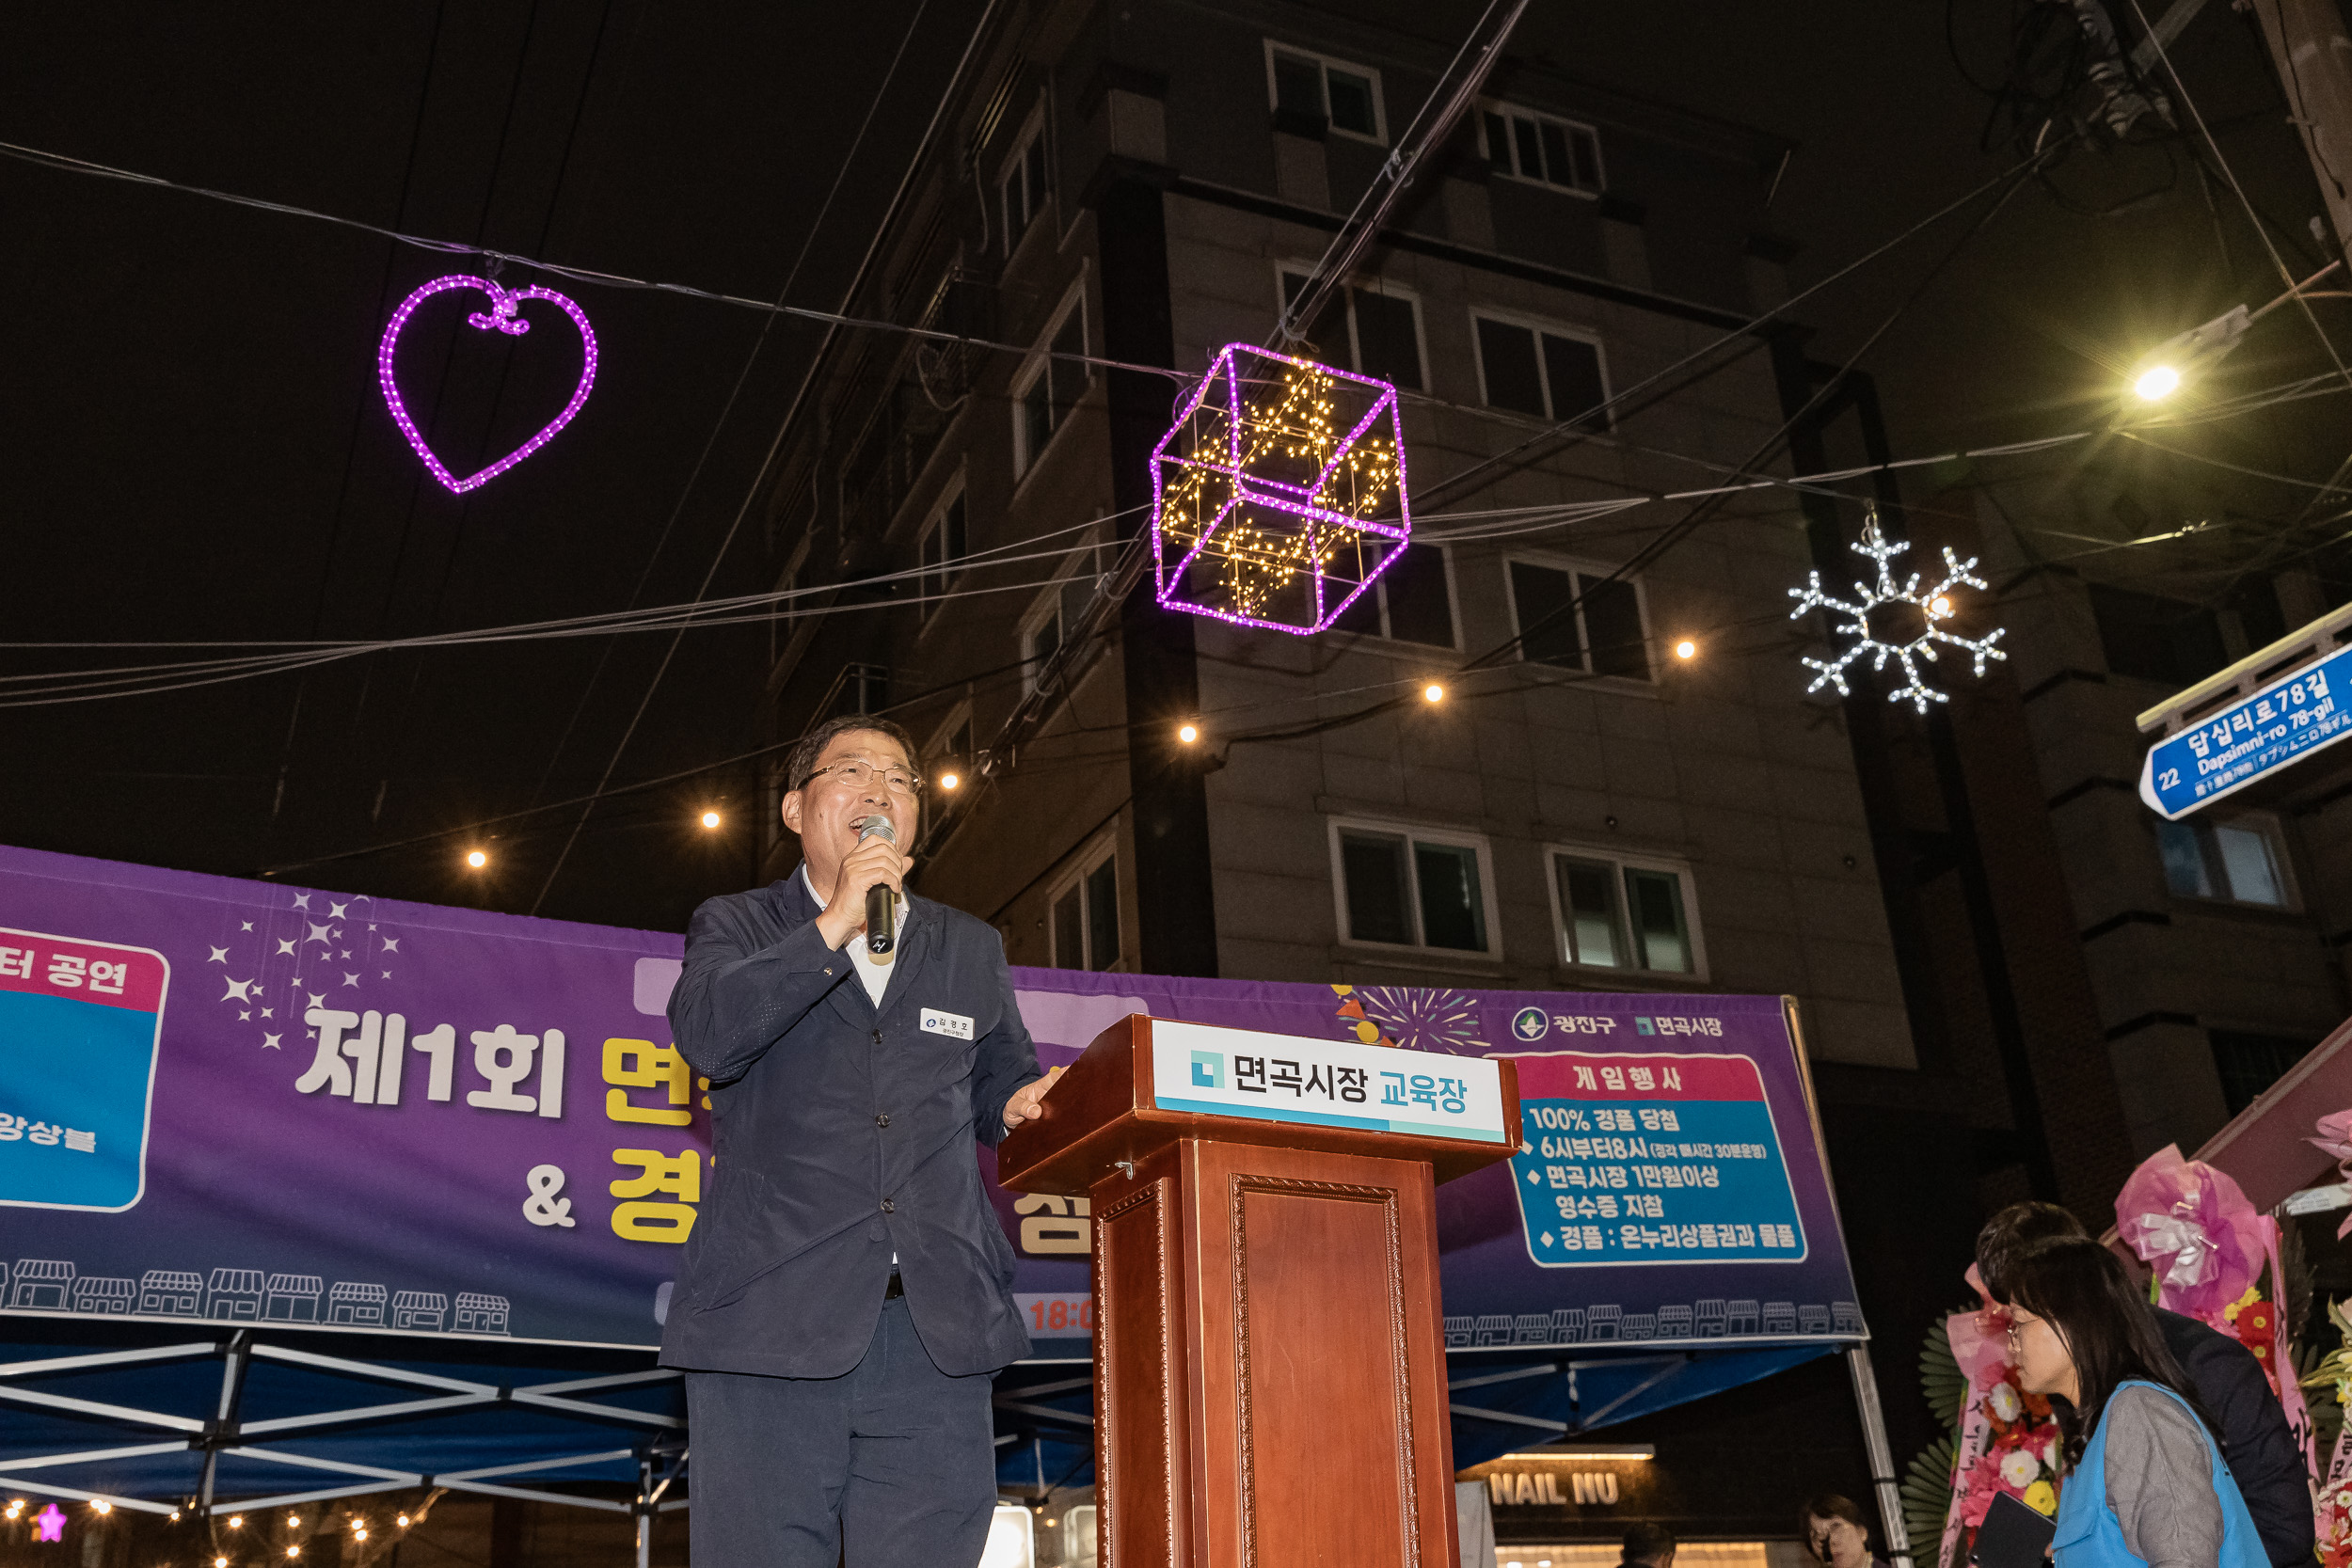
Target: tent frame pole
x,y
1890,1499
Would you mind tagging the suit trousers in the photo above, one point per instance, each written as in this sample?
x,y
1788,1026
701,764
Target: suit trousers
x,y
891,1464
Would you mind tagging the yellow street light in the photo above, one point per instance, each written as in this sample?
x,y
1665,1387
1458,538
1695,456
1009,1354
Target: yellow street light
x,y
476,859
1433,692
1188,733
1686,649
949,781
710,819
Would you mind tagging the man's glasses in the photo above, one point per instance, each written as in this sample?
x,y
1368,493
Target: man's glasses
x,y
857,775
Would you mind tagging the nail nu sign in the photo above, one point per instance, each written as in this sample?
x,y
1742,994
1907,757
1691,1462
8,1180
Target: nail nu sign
x,y
504,316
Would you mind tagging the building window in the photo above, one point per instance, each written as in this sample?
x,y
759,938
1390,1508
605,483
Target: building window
x,y
1549,374
2155,639
1617,914
1543,148
1373,332
1607,633
1413,887
2240,861
945,542
2250,1063
1054,617
1316,89
1412,601
1049,388
1086,914
1022,195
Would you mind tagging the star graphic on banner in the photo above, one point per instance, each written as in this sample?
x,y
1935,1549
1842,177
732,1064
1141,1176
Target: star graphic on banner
x,y
351,979
269,1012
391,945
346,951
285,946
318,933
269,1042
245,925
335,910
388,974
239,990
244,1018
221,956
302,901
317,1001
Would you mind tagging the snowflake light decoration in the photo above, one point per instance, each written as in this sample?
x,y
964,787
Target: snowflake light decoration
x,y
1934,605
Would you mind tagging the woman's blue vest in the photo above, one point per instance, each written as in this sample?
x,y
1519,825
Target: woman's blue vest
x,y
2090,1536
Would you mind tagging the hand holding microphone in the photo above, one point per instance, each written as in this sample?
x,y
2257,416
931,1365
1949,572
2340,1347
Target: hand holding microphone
x,y
882,900
870,874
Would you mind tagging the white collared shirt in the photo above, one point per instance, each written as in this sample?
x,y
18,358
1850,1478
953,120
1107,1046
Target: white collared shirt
x,y
874,974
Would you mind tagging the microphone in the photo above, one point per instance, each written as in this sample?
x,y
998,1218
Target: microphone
x,y
881,905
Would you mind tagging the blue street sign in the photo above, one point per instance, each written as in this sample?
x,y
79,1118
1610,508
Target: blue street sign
x,y
2283,723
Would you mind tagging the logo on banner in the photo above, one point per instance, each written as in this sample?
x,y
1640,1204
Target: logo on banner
x,y
1208,1069
1529,1023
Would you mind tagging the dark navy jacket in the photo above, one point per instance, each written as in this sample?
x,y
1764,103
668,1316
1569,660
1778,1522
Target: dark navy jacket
x,y
2253,1427
840,1137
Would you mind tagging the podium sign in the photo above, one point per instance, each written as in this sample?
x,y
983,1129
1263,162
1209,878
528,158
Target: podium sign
x,y
1265,1287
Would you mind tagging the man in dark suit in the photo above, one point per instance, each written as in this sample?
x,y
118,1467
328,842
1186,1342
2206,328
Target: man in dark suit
x,y
846,1292
2255,1439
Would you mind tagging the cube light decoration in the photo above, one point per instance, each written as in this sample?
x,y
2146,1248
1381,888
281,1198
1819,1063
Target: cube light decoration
x,y
1278,495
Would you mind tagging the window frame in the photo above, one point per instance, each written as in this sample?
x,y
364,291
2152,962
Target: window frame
x,y
2273,834
1412,833
1323,65
1539,325
1089,859
949,567
1580,566
1015,166
1039,366
1619,862
1505,109
1380,593
1373,285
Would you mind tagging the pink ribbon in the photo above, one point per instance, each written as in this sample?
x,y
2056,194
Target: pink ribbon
x,y
2335,1141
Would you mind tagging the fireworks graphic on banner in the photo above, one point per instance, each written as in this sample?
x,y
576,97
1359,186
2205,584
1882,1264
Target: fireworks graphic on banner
x,y
1278,495
1417,1017
1887,622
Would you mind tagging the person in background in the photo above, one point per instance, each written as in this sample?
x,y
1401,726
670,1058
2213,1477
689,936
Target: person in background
x,y
1837,1535
2223,1374
1648,1546
2146,1485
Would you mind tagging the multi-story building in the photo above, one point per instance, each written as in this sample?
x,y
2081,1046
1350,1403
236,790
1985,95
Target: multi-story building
x,y
1622,784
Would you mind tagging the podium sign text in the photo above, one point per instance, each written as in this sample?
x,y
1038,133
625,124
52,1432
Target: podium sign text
x,y
1243,1072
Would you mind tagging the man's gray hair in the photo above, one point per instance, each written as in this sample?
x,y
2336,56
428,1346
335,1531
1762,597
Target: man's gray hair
x,y
801,761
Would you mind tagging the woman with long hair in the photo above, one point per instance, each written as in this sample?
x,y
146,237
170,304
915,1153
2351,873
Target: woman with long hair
x,y
2145,1482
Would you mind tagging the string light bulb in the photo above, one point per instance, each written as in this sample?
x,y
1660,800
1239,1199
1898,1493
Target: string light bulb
x,y
1686,649
293,1521
949,781
293,1551
220,1562
237,1521
476,859
100,1505
404,1521
2158,383
710,819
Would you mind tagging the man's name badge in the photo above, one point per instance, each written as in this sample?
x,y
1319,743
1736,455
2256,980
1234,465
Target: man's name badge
x,y
954,1025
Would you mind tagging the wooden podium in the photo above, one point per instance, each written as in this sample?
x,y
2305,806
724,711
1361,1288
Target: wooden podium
x,y
1269,1358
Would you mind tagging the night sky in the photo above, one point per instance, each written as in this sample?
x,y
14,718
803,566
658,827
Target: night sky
x,y
196,447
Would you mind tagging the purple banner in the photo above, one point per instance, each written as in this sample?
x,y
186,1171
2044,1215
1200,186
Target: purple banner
x,y
237,1101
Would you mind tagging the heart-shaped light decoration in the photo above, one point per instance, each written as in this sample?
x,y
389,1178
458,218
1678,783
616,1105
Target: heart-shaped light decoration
x,y
504,316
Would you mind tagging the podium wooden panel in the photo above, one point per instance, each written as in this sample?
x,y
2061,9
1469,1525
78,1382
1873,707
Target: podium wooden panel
x,y
1269,1358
